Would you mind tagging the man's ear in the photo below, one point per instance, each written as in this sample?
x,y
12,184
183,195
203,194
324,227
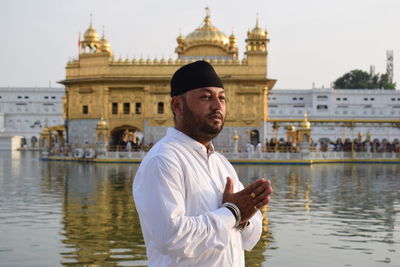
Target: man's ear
x,y
176,105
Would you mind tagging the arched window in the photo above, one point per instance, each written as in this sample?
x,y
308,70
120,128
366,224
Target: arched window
x,y
160,108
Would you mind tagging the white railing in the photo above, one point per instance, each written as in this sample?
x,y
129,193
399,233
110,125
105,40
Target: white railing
x,y
261,156
124,155
328,155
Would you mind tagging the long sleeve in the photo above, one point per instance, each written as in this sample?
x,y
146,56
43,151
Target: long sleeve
x,y
251,233
159,194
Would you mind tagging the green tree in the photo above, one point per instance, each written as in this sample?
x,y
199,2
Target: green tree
x,y
359,79
384,82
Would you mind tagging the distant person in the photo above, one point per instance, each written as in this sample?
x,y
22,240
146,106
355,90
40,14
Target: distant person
x,y
318,147
249,148
192,207
258,147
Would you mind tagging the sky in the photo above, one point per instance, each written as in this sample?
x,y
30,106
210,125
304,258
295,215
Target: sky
x,y
311,41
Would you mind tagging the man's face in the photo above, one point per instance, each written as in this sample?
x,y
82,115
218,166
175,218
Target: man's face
x,y
203,113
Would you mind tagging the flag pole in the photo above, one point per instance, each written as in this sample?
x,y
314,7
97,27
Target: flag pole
x,y
79,44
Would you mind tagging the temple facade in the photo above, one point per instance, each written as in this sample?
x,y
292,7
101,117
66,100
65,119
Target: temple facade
x,y
112,101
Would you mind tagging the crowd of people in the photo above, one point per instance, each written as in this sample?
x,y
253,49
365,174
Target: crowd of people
x,y
339,145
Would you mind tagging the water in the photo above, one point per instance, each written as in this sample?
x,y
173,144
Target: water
x,y
74,214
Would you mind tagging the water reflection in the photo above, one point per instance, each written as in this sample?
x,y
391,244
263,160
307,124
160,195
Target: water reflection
x,y
332,210
74,214
100,225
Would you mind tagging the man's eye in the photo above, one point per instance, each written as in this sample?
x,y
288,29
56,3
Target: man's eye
x,y
222,98
205,97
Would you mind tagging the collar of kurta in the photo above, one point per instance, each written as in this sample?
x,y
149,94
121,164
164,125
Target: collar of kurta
x,y
188,141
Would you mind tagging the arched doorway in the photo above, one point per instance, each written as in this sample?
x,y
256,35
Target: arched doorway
x,y
254,137
126,137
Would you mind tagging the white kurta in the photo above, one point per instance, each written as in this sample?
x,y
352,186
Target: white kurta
x,y
178,192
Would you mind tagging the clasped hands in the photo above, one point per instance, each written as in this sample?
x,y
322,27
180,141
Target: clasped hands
x,y
250,199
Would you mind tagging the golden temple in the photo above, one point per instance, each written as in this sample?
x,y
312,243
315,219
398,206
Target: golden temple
x,y
106,98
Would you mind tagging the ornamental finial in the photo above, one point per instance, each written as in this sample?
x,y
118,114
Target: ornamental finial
x,y
207,11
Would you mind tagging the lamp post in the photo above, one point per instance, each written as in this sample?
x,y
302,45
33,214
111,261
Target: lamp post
x,y
265,116
352,140
235,138
275,128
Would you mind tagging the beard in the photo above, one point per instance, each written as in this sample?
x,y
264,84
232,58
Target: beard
x,y
199,128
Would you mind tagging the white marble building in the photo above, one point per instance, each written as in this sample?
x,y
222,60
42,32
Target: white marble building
x,y
337,105
24,111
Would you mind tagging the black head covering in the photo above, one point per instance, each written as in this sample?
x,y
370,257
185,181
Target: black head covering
x,y
195,75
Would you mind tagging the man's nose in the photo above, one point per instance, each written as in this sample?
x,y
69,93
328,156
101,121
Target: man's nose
x,y
217,103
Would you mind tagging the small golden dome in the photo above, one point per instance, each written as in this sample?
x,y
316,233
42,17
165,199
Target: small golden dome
x,y
232,37
102,124
232,42
257,32
207,34
291,128
305,124
91,36
105,45
180,39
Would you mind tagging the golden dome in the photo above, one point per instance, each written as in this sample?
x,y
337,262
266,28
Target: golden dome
x,y
102,124
206,34
105,45
305,124
180,39
233,43
232,38
91,36
257,32
291,128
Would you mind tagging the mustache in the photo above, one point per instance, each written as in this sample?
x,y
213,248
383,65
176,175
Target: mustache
x,y
217,114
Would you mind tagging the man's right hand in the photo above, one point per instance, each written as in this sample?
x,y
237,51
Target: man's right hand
x,y
250,199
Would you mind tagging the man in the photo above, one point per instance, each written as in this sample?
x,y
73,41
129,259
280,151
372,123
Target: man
x,y
184,190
